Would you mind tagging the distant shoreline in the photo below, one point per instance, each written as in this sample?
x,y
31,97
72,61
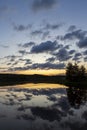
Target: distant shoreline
x,y
17,79
13,79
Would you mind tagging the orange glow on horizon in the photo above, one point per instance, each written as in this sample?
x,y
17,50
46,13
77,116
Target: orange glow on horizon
x,y
43,72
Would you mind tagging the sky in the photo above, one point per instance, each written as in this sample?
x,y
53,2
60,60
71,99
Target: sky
x,y
42,36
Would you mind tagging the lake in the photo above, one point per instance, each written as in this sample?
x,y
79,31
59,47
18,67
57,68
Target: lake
x,y
43,107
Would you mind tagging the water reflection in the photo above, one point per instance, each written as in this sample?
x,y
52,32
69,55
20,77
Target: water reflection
x,y
76,96
43,106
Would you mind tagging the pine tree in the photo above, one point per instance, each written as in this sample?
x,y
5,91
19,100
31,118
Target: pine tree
x,y
75,73
82,72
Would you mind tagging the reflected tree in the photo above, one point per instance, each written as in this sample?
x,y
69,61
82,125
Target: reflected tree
x,y
76,96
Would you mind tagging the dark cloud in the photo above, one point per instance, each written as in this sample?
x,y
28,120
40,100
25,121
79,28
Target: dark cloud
x,y
23,52
39,66
21,27
37,32
14,60
59,37
85,52
45,30
26,45
15,63
43,4
52,59
77,34
62,55
9,63
82,43
85,59
48,66
11,57
45,34
76,59
4,46
44,47
18,68
77,56
72,28
53,26
71,52
28,61
66,47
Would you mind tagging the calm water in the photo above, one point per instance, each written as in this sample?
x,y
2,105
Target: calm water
x,y
42,107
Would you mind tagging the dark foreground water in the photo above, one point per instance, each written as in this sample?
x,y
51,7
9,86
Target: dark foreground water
x,y
43,107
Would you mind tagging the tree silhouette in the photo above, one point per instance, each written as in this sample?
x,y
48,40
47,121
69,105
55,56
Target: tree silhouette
x,y
82,73
69,69
75,73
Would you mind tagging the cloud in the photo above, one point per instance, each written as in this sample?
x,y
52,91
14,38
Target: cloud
x,y
53,26
45,30
17,68
41,33
11,60
71,52
23,52
85,59
85,52
78,54
26,45
76,59
11,57
36,32
46,65
4,46
25,61
43,4
72,28
77,34
52,59
66,47
21,27
15,63
62,55
45,34
28,61
82,43
44,47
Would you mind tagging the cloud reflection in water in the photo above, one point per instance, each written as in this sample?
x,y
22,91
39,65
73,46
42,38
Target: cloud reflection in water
x,y
46,108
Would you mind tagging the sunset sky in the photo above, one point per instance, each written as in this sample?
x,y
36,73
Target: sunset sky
x,y
42,36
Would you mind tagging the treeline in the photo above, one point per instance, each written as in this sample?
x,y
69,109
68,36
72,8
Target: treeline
x,y
75,73
14,79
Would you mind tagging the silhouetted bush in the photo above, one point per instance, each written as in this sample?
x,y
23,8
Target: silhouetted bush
x,y
75,73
